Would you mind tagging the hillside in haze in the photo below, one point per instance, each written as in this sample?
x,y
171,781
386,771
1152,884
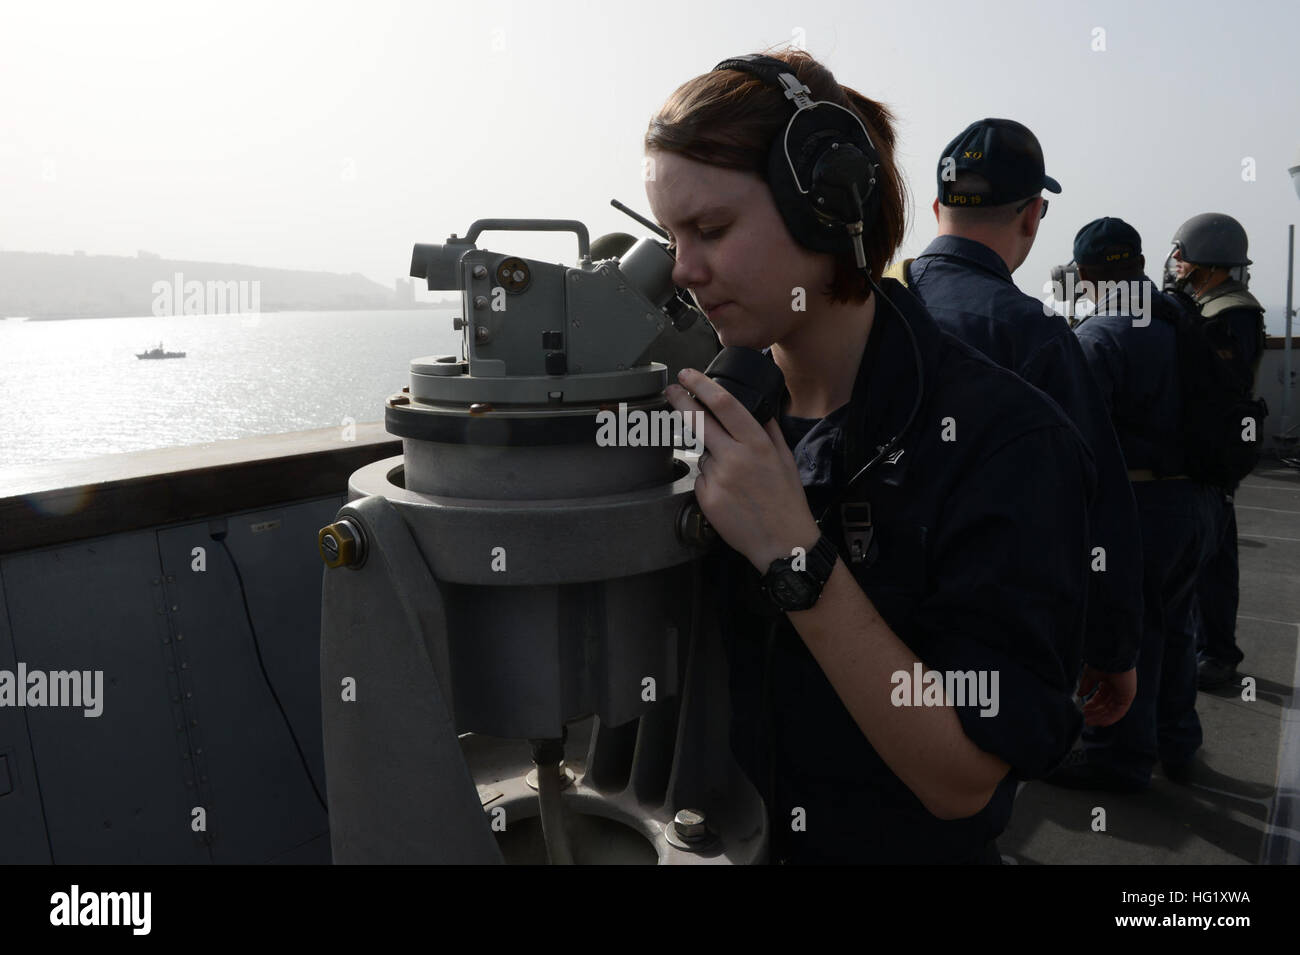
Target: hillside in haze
x,y
44,285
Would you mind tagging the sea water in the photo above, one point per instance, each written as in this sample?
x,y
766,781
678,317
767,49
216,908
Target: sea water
x,y
74,389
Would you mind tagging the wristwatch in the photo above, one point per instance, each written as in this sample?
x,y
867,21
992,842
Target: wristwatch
x,y
789,589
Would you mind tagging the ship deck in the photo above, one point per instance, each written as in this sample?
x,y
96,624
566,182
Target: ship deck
x,y
118,531
1241,805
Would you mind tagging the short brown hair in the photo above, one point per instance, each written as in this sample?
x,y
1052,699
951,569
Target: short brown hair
x,y
729,119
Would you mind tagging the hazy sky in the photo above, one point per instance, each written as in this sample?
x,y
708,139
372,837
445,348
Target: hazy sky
x,y
334,135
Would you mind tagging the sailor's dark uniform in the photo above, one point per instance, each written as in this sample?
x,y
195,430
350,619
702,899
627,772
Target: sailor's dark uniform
x,y
1235,321
1136,367
967,288
979,528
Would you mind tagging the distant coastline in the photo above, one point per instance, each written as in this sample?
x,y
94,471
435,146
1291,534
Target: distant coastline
x,y
407,307
43,286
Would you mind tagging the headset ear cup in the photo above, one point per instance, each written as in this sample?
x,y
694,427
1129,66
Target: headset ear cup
x,y
811,134
809,137
837,170
804,227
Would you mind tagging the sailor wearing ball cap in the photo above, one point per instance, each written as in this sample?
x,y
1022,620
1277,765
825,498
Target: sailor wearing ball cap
x,y
990,180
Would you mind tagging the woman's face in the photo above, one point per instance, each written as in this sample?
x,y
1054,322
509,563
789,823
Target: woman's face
x,y
733,250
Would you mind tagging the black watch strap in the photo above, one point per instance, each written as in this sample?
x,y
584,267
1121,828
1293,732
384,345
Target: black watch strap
x,y
790,589
821,559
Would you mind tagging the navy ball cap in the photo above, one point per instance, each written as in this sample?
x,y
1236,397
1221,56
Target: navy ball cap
x,y
1005,154
1106,242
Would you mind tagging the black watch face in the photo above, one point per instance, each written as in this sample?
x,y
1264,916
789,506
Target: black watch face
x,y
791,590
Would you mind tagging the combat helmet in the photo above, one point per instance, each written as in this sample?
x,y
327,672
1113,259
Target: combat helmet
x,y
1212,238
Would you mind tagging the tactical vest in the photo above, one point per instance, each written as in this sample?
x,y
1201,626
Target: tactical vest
x,y
1232,294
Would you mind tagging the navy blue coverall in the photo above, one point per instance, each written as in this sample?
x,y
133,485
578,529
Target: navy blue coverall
x,y
958,567
1134,361
968,289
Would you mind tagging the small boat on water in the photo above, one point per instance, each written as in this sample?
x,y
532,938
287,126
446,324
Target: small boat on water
x,y
159,353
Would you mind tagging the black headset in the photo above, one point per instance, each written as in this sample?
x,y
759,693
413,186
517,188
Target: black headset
x,y
822,167
822,170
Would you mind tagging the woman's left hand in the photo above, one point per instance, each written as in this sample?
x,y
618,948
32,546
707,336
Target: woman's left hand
x,y
748,486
